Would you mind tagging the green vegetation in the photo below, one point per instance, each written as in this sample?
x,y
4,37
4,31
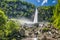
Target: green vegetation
x,y
14,9
45,13
9,30
7,27
45,29
56,16
17,8
3,18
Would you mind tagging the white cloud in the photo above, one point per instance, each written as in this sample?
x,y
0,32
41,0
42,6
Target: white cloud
x,y
38,0
44,1
53,1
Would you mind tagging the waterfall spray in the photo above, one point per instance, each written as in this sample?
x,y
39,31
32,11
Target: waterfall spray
x,y
36,16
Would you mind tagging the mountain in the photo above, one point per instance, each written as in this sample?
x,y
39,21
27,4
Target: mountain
x,y
15,9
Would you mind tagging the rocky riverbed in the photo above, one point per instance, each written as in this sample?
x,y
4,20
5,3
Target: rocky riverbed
x,y
41,33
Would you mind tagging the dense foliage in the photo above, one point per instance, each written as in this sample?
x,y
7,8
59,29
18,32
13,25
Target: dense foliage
x,y
56,16
45,13
14,9
7,27
3,18
17,8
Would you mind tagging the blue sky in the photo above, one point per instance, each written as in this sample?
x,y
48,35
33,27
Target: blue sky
x,y
42,2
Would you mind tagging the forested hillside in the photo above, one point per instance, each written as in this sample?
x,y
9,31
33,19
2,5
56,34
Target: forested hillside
x,y
11,30
45,13
14,9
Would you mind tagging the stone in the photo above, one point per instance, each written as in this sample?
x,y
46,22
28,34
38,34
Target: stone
x,y
44,38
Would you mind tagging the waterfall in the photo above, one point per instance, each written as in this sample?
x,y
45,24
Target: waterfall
x,y
36,16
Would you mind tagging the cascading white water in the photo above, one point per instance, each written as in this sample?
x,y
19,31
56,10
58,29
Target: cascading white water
x,y
36,16
24,20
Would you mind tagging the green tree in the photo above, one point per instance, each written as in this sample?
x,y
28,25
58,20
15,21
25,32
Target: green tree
x,y
7,27
3,18
11,27
56,16
3,21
